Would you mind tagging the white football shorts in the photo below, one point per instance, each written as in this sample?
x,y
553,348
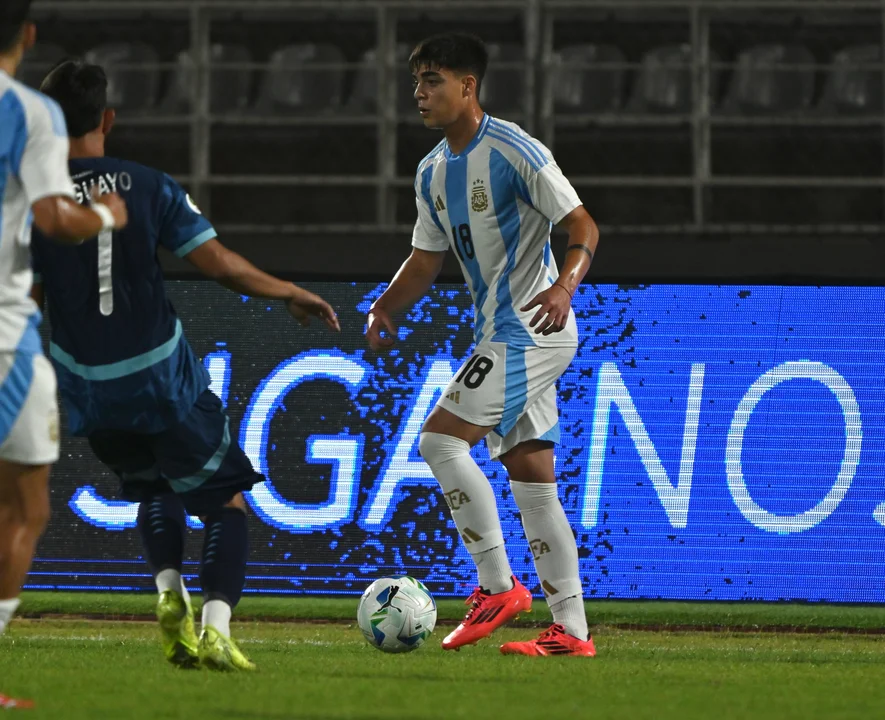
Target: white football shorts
x,y
28,409
512,389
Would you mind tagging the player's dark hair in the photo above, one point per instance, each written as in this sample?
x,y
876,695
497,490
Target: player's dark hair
x,y
13,15
459,52
82,92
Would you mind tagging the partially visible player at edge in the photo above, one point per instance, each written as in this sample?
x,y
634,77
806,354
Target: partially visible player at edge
x,y
34,179
493,193
130,382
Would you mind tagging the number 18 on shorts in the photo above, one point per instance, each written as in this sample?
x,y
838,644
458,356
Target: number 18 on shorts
x,y
511,389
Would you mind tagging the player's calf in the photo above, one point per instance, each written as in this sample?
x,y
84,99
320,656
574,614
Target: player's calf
x,y
472,503
223,576
548,532
24,512
162,526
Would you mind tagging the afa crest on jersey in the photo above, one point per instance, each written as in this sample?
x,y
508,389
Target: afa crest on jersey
x,y
479,201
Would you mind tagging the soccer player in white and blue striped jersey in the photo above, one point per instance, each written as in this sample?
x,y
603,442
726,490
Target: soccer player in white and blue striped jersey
x,y
492,193
35,188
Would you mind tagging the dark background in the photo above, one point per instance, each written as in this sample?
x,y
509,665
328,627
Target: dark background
x,y
737,141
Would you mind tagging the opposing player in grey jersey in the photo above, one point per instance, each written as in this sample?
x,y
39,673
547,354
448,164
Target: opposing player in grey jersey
x,y
492,193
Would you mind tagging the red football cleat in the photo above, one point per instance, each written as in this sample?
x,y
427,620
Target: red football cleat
x,y
8,703
487,613
555,641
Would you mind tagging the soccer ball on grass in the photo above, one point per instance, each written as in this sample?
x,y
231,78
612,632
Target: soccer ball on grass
x,y
396,614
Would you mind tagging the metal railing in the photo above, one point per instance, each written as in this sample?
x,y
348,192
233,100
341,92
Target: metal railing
x,y
539,115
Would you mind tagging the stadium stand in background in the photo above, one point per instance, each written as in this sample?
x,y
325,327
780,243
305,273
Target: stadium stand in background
x,y
704,117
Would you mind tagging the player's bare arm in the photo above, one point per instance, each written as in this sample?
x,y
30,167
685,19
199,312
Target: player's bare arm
x,y
555,302
409,285
234,272
64,220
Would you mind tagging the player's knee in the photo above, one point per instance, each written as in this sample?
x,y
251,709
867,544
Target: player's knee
x,y
533,496
436,448
530,462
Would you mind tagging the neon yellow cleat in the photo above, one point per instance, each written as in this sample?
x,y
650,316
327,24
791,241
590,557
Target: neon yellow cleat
x,y
179,638
218,652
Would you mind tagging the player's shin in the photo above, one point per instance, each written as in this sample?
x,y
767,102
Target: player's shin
x,y
555,552
223,575
24,512
472,502
162,526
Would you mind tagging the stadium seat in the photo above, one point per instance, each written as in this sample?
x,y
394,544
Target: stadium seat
x,y
229,88
763,82
364,95
291,85
579,89
503,89
852,88
663,84
129,88
38,61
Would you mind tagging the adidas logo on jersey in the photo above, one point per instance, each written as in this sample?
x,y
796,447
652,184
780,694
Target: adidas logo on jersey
x,y
455,397
439,204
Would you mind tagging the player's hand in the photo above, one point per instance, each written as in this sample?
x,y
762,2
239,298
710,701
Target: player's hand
x,y
115,204
379,321
552,315
306,305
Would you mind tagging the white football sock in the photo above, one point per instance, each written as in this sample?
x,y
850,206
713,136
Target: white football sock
x,y
555,551
7,610
169,579
571,615
494,570
471,500
217,614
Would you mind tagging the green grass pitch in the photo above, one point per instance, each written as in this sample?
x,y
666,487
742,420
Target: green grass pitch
x,y
655,661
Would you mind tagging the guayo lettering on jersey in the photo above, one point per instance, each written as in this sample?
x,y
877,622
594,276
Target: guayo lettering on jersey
x,y
344,451
106,183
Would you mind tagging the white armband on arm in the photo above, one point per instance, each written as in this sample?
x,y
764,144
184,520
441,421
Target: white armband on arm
x,y
104,212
